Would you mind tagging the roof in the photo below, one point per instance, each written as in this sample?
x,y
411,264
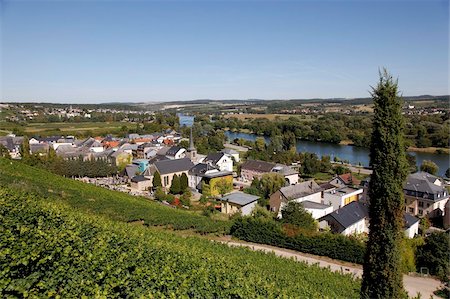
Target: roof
x,y
314,205
410,220
240,198
300,190
327,186
284,169
422,182
201,168
172,151
214,158
229,151
217,174
259,166
39,147
131,170
139,178
349,214
171,166
343,191
349,179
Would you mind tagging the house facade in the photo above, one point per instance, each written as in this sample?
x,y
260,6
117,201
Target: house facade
x,y
238,202
220,160
341,197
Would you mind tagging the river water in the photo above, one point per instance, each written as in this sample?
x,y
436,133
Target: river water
x,y
353,154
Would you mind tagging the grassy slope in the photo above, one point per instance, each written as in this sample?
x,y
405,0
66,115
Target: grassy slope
x,y
96,200
48,249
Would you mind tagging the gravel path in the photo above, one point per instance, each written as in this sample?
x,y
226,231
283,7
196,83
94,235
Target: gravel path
x,y
413,284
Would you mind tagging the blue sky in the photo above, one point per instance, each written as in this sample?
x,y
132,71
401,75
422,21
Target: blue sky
x,y
98,51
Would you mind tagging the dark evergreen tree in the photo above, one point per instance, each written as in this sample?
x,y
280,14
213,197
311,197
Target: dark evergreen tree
x,y
382,277
184,184
156,180
175,188
25,149
294,213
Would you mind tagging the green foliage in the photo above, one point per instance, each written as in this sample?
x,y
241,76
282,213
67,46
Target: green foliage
x,y
175,188
25,149
382,277
447,173
157,180
100,201
51,250
341,170
184,183
186,197
206,190
267,231
268,184
434,255
429,166
224,186
294,213
4,152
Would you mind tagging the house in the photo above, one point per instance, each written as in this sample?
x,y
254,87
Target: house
x,y
316,209
91,144
130,171
141,183
220,160
346,179
120,158
350,219
168,168
425,194
12,144
305,191
411,226
197,172
354,219
238,202
207,174
341,196
254,168
232,153
290,174
176,152
40,148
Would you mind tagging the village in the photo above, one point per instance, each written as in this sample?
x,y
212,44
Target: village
x,y
155,166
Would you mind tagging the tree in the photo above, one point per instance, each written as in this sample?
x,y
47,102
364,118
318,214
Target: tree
x,y
175,188
382,276
184,183
4,152
156,180
294,213
25,149
206,189
224,186
271,182
429,166
434,255
260,144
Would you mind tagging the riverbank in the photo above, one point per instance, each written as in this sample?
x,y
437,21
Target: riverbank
x,y
429,150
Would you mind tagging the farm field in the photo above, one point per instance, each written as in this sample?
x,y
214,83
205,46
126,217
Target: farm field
x,y
268,116
53,250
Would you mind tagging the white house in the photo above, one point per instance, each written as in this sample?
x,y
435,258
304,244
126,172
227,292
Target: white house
x,y
341,197
238,202
316,209
176,152
350,219
305,191
219,160
232,153
411,226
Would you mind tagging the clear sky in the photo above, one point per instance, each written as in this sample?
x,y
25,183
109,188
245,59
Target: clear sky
x,y
99,51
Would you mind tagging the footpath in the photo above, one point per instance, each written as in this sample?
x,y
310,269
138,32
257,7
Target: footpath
x,y
413,284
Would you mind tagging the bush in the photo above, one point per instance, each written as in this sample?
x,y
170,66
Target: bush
x,y
267,231
434,255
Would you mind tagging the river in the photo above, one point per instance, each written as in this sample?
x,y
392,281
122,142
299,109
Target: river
x,y
353,154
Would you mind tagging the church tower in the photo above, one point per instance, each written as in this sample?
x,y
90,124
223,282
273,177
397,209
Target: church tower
x,y
191,151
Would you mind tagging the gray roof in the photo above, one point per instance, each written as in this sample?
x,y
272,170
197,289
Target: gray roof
x,y
200,169
214,157
39,148
313,205
284,169
259,166
229,151
217,174
173,151
139,178
11,142
131,170
349,214
171,166
410,220
240,198
422,182
300,190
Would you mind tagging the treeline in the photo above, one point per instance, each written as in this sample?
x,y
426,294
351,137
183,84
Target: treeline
x,y
422,131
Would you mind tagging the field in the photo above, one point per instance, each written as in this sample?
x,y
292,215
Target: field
x,y
99,201
267,116
63,238
64,128
48,250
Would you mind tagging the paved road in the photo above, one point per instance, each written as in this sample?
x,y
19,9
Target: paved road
x,y
413,284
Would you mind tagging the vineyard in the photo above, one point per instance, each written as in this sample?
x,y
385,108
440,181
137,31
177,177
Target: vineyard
x,y
48,249
99,201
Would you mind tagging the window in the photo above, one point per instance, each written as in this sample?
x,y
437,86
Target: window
x,y
420,204
428,205
420,212
411,210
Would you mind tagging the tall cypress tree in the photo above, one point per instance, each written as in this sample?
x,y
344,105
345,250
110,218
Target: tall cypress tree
x,y
382,276
156,180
